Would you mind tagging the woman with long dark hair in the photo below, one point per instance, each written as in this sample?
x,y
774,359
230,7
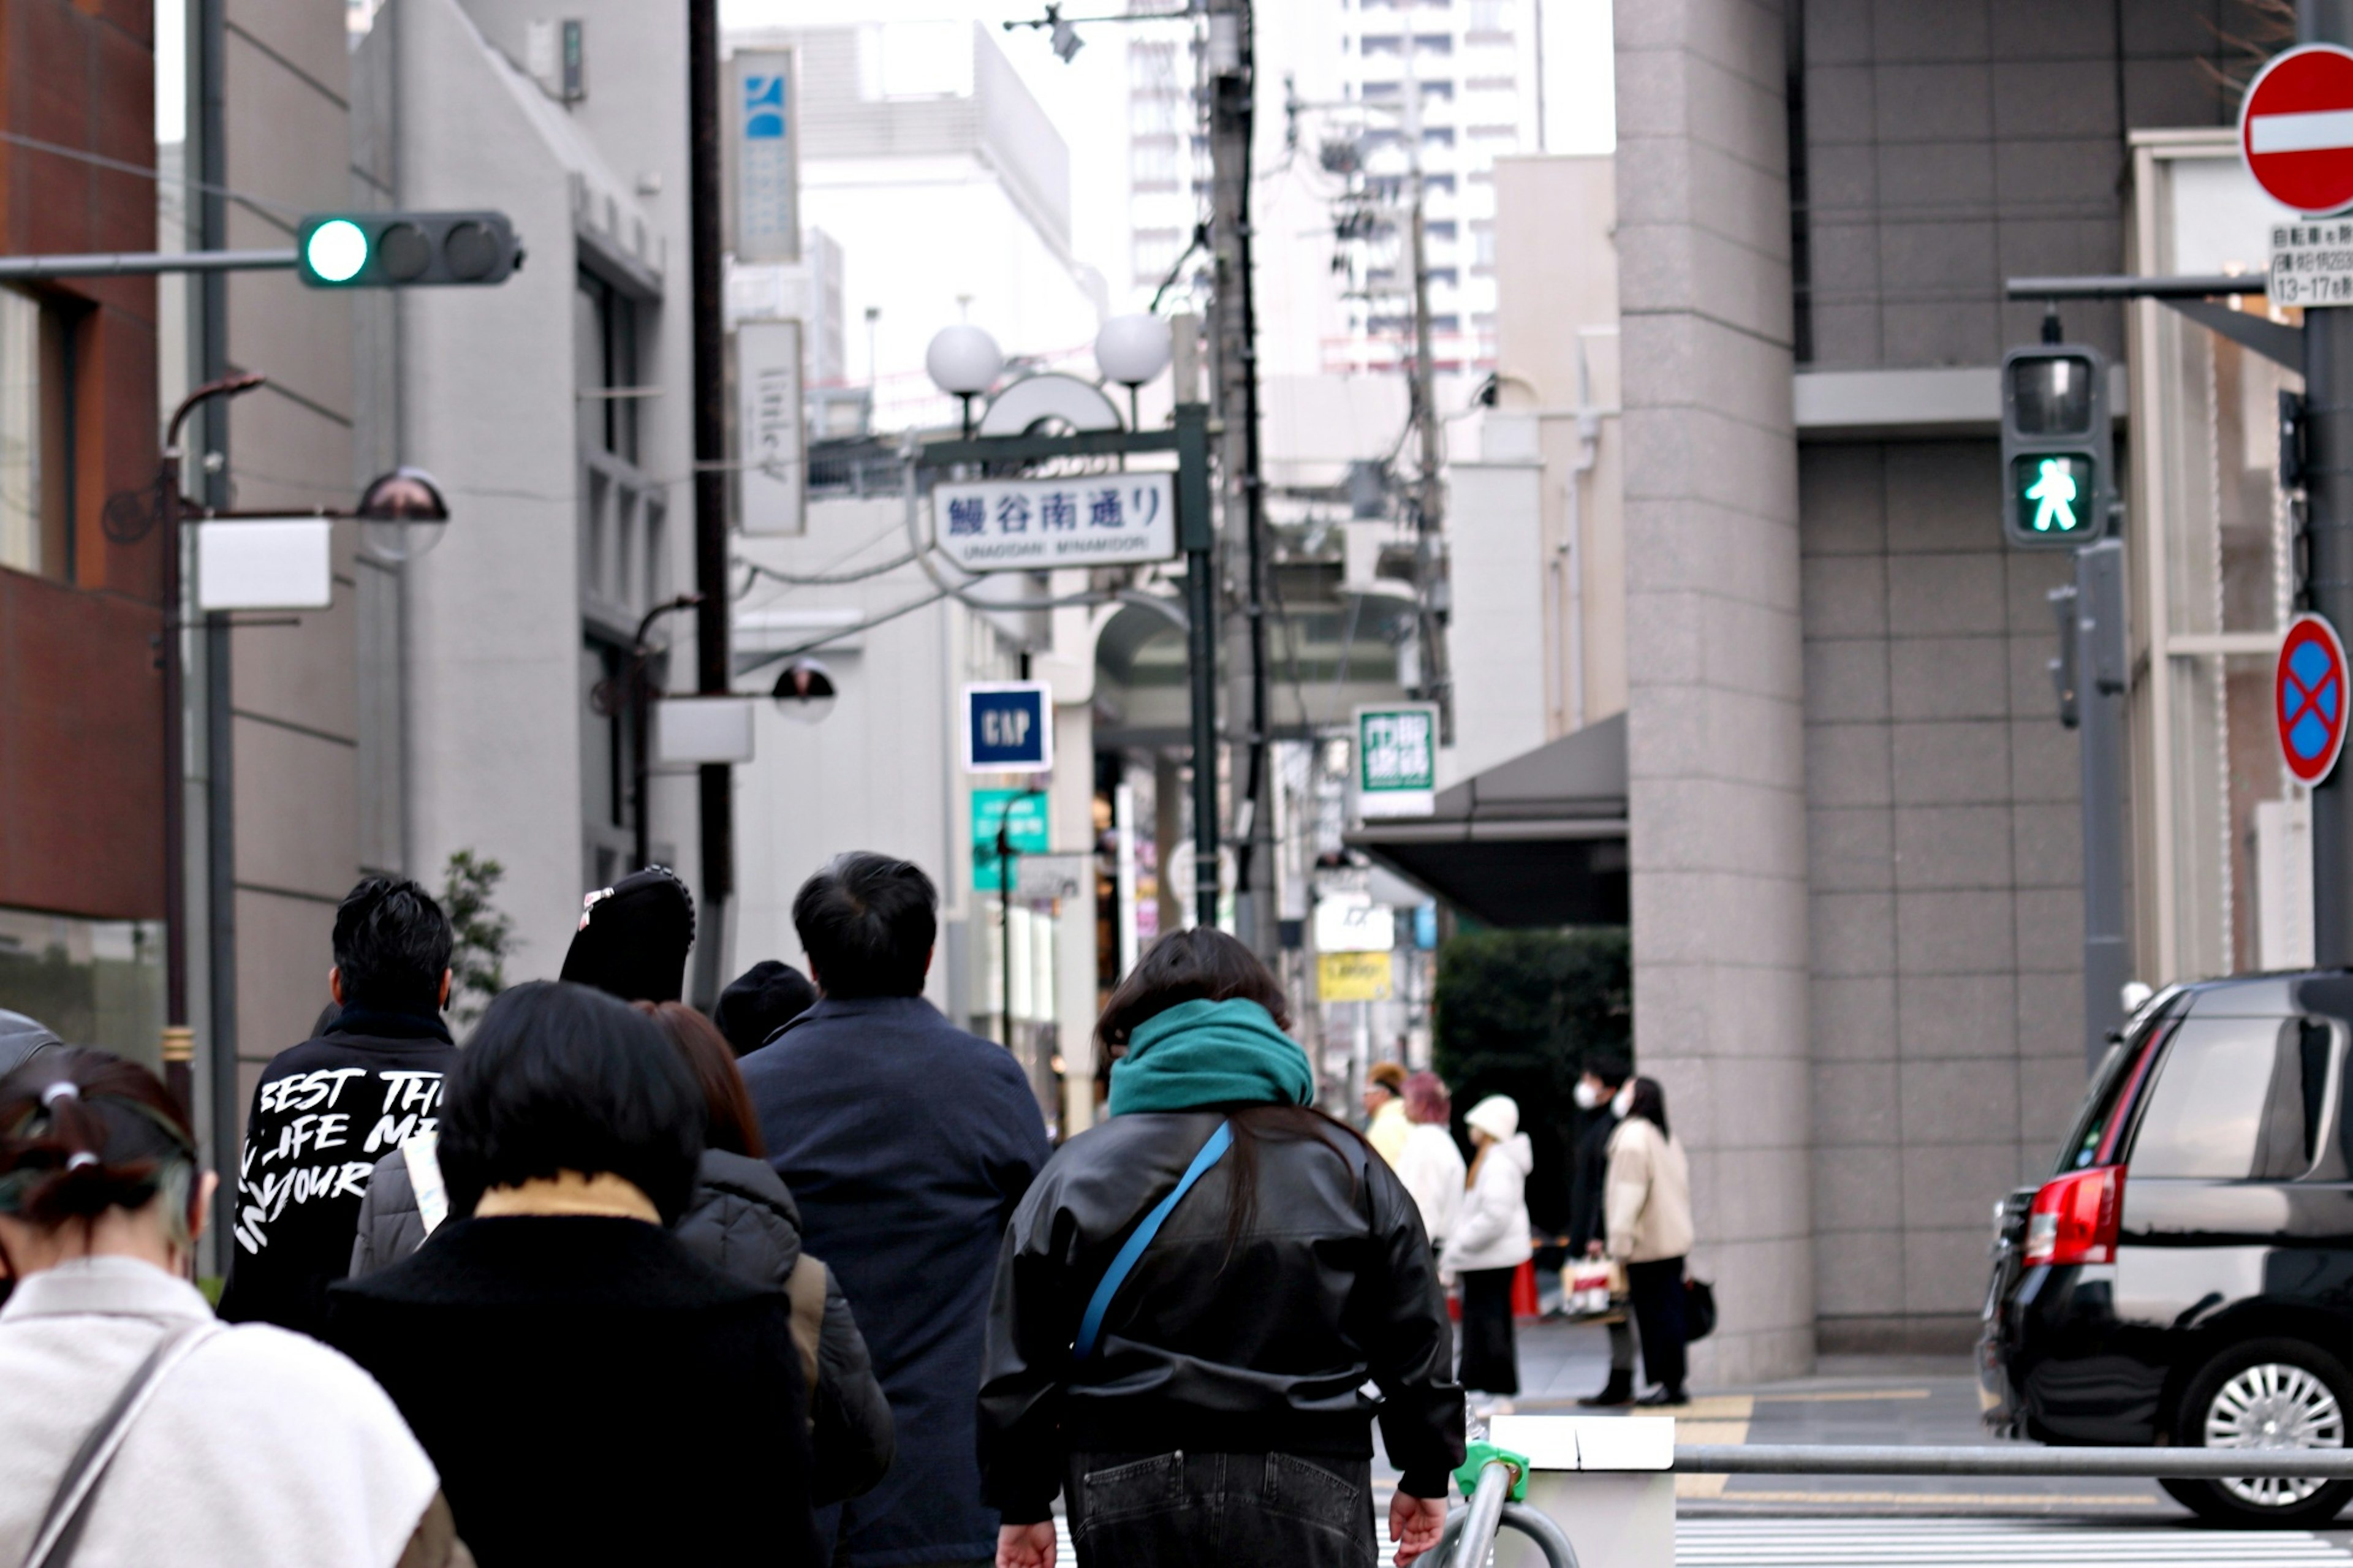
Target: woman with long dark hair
x,y
1647,1202
1193,1294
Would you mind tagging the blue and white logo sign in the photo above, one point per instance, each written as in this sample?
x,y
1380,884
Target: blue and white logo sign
x,y
1008,727
765,158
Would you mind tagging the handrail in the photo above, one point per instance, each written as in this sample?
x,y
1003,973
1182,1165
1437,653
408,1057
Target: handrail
x,y
1890,1460
1472,1541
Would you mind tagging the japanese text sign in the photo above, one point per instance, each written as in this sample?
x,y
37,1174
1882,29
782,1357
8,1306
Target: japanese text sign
x,y
1030,525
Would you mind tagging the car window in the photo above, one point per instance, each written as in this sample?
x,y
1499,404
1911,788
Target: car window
x,y
2116,1087
2236,1099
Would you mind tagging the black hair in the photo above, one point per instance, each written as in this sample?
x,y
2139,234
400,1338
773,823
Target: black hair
x,y
392,946
82,1131
1609,1067
759,1002
867,922
560,1078
1650,1103
1203,964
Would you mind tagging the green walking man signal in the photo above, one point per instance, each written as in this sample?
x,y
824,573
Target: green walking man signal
x,y
406,249
2057,446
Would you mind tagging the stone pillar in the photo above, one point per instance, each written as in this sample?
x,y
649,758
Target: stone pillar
x,y
1715,723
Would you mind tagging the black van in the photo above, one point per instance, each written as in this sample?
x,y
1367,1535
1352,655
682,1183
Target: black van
x,y
2186,1275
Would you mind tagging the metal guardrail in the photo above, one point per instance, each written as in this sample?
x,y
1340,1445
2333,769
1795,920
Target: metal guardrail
x,y
1888,1459
1469,1538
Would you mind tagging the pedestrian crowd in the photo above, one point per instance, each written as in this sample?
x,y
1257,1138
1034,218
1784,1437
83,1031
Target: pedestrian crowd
x,y
802,1281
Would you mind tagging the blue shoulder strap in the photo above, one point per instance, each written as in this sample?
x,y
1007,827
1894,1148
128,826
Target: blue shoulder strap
x,y
1090,1325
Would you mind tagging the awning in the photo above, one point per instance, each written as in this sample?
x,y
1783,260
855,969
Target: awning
x,y
1539,840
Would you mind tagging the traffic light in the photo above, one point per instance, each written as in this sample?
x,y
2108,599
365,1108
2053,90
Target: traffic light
x,y
2057,446
401,250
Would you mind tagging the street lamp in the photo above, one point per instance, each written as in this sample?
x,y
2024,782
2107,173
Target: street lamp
x,y
1130,349
633,694
402,515
963,362
805,692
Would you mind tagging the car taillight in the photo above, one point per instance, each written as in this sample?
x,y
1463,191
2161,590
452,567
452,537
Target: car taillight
x,y
2075,1218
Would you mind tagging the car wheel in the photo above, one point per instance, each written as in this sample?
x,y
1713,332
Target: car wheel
x,y
2267,1393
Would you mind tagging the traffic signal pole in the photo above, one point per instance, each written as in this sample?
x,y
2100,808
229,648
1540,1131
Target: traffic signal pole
x,y
713,676
2101,659
2329,531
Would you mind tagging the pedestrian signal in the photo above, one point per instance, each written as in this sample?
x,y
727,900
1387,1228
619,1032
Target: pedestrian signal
x,y
2056,446
403,250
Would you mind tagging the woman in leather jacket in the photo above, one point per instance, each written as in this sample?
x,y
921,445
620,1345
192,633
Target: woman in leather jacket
x,y
1207,1406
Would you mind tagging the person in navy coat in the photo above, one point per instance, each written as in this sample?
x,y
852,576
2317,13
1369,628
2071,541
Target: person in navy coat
x,y
907,1143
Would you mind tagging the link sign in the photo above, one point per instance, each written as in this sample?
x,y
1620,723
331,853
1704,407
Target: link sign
x,y
1032,525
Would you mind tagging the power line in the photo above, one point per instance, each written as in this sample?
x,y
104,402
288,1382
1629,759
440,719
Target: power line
x,y
145,173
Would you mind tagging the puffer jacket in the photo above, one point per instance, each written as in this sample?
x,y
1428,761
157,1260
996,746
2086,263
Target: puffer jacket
x,y
1649,1195
1262,1345
740,1220
1491,1230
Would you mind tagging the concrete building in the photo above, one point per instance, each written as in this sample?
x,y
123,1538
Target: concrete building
x,y
554,411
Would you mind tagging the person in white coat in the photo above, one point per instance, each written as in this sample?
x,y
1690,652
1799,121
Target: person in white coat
x,y
1430,1165
1648,1203
1488,1244
248,1444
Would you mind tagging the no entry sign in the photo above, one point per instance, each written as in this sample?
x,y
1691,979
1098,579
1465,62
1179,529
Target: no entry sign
x,y
2295,129
2308,698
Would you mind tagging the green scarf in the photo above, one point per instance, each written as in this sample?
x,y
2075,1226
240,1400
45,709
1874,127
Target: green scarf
x,y
1209,1053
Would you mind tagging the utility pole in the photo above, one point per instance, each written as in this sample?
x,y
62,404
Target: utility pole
x,y
1429,492
713,676
1232,95
2328,527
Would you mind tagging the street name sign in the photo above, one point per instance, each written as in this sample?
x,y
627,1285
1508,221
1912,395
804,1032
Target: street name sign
x,y
2308,698
1396,760
1032,525
2295,129
1008,727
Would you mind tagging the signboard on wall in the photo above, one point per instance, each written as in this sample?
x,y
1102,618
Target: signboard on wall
x,y
770,441
759,126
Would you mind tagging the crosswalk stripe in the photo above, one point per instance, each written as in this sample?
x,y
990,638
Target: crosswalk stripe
x,y
1935,1544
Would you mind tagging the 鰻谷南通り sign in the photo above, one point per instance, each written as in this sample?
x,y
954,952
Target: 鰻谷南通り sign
x,y
1030,525
1396,760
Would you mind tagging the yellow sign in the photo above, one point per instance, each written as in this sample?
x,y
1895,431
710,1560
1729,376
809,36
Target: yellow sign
x,y
1352,976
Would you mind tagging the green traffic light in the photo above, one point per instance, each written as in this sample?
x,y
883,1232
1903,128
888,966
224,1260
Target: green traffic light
x,y
337,252
2054,493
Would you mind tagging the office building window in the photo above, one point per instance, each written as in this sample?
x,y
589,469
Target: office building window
x,y
1152,163
36,435
607,323
1156,252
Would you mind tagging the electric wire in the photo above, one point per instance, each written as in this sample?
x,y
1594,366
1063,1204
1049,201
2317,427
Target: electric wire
x,y
144,172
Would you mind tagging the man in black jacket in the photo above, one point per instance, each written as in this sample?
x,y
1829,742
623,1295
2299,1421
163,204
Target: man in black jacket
x,y
327,1110
907,1144
1597,1094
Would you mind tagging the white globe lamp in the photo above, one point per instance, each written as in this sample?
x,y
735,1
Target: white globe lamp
x,y
1130,350
964,361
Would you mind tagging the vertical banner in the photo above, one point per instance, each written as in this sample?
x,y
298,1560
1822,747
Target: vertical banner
x,y
763,154
770,441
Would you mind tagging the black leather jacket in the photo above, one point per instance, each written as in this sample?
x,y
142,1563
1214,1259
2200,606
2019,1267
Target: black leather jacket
x,y
1265,1349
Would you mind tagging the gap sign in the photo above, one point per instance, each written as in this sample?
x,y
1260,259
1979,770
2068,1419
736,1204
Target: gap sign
x,y
1008,727
2308,698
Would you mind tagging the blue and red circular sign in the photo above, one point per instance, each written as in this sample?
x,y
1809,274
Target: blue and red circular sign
x,y
2308,698
2295,127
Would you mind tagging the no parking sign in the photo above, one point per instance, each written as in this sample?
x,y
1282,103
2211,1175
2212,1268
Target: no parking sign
x,y
2308,698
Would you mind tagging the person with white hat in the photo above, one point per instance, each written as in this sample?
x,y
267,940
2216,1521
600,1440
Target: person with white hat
x,y
1489,1243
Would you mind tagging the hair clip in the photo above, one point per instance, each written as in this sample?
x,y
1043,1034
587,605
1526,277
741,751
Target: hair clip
x,y
64,1088
81,1158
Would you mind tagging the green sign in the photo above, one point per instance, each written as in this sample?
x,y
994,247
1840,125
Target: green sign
x,y
2054,493
1396,760
1027,835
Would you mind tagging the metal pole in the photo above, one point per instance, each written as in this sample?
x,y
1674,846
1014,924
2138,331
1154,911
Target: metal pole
x,y
179,1039
211,44
1005,920
134,263
2100,663
2329,510
713,676
2007,1459
1197,533
1429,491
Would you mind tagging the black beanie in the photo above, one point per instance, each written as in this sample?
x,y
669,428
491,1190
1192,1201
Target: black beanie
x,y
759,1002
633,938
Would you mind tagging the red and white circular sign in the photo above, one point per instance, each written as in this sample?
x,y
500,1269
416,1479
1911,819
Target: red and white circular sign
x,y
2309,699
2295,127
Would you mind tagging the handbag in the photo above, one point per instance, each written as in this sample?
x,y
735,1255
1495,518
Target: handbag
x,y
1699,1310
1123,1265
68,1511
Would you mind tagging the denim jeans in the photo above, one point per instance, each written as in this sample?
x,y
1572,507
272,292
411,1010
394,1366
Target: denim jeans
x,y
1185,1510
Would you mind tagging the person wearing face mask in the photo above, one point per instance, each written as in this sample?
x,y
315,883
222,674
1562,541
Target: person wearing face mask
x,y
1648,1205
1603,1090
